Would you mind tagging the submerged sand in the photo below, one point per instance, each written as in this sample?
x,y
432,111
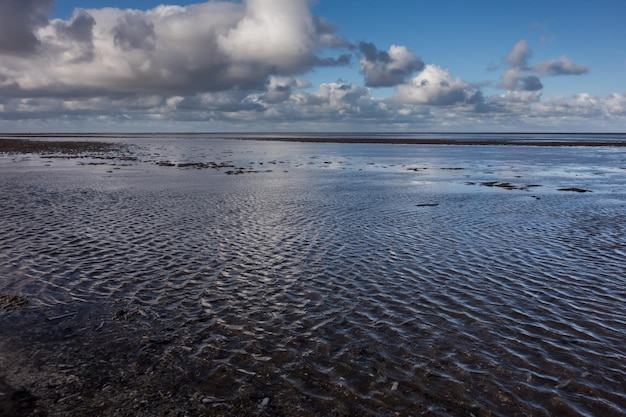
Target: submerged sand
x,y
392,350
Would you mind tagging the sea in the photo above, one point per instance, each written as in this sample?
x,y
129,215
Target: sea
x,y
234,274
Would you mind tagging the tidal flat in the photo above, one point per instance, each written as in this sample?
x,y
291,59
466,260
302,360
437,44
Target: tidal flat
x,y
204,275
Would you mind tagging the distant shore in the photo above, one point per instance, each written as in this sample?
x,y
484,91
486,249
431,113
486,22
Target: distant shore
x,y
408,141
73,143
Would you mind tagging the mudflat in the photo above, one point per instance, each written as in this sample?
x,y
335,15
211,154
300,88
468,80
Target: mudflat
x,y
140,278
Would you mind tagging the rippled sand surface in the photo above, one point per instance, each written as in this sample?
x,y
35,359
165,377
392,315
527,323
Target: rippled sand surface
x,y
218,277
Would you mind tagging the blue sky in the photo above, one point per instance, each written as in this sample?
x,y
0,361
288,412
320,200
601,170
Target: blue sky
x,y
312,65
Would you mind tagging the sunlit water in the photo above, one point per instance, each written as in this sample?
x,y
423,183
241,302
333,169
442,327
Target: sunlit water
x,y
391,278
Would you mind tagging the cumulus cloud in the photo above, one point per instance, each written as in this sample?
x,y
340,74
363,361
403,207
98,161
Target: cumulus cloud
x,y
222,101
334,102
616,104
212,46
519,55
328,37
279,31
72,40
516,98
561,66
387,68
435,86
531,83
514,80
517,77
241,61
339,95
134,31
286,101
79,29
579,104
280,88
19,20
584,105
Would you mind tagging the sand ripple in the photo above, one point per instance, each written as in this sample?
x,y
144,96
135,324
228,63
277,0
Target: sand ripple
x,y
346,291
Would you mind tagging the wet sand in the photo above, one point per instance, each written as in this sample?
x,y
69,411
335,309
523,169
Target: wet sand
x,y
295,319
96,360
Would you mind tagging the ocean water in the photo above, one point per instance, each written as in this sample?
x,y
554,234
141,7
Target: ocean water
x,y
352,279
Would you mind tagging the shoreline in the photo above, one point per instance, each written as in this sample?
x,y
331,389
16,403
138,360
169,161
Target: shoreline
x,y
465,142
30,144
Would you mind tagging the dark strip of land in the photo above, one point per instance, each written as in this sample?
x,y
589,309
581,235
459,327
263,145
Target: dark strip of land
x,y
11,145
14,146
407,141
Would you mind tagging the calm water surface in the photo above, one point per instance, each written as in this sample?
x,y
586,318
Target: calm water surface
x,y
361,279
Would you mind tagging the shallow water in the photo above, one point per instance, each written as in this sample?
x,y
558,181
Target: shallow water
x,y
378,278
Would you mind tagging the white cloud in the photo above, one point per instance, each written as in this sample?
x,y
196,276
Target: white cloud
x,y
387,68
338,96
329,104
279,88
512,99
435,86
520,76
243,62
210,46
275,33
584,105
615,104
516,78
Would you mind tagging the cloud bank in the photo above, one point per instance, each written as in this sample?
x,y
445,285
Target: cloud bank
x,y
211,46
243,65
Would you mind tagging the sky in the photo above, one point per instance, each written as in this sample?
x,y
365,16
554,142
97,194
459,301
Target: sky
x,y
312,65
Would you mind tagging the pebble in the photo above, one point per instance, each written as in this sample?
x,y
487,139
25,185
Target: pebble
x,y
212,400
